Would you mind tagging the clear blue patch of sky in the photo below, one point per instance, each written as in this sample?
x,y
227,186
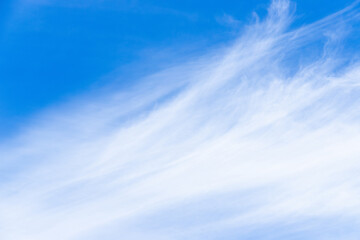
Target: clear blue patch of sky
x,y
52,50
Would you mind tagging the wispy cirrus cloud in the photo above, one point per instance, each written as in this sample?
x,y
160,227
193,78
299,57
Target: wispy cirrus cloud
x,y
253,137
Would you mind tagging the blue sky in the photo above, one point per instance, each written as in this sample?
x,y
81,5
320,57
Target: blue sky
x,y
54,50
165,120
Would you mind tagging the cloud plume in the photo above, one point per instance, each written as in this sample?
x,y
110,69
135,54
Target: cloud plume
x,y
258,140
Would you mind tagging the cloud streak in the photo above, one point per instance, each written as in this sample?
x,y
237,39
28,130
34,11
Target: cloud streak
x,y
263,134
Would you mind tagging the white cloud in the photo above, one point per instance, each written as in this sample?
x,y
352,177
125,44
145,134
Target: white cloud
x,y
240,122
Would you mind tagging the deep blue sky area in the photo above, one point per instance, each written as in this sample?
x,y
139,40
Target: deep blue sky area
x,y
52,50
